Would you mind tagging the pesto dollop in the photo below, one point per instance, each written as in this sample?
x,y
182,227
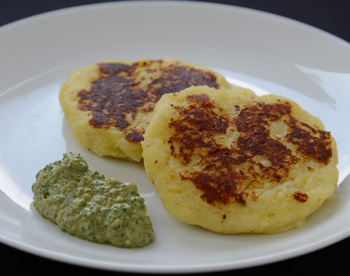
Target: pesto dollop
x,y
90,206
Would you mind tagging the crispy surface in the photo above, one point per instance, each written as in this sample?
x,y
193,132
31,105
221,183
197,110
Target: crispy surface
x,y
233,162
109,104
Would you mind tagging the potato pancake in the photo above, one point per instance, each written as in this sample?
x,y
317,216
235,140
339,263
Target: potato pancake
x,y
233,162
109,104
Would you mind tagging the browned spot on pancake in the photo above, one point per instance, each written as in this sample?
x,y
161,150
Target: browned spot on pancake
x,y
118,94
135,136
196,127
312,142
224,172
301,197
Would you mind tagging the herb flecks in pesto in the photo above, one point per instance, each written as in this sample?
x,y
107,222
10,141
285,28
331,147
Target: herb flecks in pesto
x,y
90,206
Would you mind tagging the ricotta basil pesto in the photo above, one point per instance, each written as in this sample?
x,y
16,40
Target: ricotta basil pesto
x,y
88,205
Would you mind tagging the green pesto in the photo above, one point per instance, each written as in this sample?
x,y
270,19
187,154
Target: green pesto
x,y
85,204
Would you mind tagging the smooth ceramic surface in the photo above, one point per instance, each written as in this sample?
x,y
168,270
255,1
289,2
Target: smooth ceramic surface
x,y
266,53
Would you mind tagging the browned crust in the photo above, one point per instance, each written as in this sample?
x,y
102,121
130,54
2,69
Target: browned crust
x,y
116,96
226,171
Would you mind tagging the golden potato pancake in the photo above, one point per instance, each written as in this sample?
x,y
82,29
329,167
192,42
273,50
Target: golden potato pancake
x,y
233,162
109,104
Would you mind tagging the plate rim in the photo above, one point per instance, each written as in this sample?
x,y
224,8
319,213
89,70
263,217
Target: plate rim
x,y
28,248
211,4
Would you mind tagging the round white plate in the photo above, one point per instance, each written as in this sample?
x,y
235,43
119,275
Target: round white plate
x,y
267,53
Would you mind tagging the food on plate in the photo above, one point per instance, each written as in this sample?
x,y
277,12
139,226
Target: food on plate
x,y
109,104
85,204
234,162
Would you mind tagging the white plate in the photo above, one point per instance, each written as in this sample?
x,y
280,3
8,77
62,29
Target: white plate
x,y
267,53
